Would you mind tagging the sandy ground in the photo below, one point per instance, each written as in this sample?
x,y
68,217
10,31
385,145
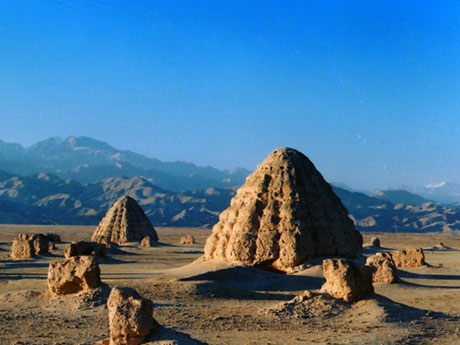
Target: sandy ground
x,y
216,303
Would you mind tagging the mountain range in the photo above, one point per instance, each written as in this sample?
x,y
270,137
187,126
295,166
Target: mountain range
x,y
75,180
87,160
46,199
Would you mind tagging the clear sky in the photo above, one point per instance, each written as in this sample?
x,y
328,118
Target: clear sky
x,y
368,90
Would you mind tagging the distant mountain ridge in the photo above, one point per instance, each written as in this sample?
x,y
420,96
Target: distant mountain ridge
x,y
75,180
85,160
400,197
374,214
47,199
445,192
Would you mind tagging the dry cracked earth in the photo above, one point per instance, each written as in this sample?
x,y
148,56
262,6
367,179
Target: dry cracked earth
x,y
214,303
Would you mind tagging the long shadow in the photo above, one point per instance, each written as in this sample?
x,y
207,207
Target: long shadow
x,y
372,250
398,312
242,282
189,252
19,276
430,286
108,260
24,264
115,250
411,275
123,276
162,244
172,336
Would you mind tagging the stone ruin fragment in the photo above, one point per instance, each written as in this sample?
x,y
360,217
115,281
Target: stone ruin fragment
x,y
130,317
346,280
188,239
85,248
408,257
73,275
383,268
27,246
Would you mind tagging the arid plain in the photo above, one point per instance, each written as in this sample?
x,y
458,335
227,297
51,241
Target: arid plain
x,y
217,303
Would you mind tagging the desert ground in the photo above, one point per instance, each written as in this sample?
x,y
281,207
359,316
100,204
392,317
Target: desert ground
x,y
216,303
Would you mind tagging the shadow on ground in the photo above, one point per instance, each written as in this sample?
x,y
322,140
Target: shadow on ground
x,y
242,282
425,276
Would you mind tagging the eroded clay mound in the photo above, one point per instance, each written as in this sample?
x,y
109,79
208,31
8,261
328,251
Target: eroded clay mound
x,y
383,268
408,257
124,222
73,275
284,214
346,280
308,305
29,245
130,317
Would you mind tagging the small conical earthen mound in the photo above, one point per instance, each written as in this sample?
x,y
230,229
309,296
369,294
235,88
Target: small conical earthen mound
x,y
284,214
124,222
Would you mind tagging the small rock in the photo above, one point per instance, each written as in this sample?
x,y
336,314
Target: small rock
x,y
375,242
72,275
408,257
22,249
146,242
189,239
346,280
130,317
383,268
85,248
53,237
29,245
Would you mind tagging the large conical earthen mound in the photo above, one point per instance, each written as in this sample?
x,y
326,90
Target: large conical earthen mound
x,y
284,214
124,222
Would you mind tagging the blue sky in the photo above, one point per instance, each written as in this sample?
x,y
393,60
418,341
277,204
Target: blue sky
x,y
368,90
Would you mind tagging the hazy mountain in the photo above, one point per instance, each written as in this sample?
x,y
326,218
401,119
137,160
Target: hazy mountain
x,y
88,160
399,196
444,192
46,199
372,214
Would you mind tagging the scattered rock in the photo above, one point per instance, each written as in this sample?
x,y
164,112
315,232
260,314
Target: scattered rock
x,y
53,237
284,214
72,275
29,245
130,317
189,239
124,222
40,242
346,280
85,248
22,249
375,242
51,246
307,305
383,268
440,246
408,257
146,242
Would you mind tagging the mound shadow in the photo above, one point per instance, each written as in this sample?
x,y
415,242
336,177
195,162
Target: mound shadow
x,y
15,264
162,335
397,312
108,260
425,276
189,252
245,282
